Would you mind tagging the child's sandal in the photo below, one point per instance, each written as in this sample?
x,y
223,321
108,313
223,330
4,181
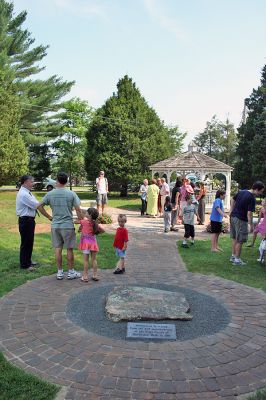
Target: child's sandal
x,y
85,280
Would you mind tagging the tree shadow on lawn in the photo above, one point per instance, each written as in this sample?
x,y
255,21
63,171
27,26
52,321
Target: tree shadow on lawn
x,y
12,276
200,259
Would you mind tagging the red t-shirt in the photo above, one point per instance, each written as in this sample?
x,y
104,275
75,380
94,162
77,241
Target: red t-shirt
x,y
121,237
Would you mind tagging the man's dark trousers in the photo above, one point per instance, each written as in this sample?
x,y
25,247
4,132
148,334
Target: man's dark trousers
x,y
26,230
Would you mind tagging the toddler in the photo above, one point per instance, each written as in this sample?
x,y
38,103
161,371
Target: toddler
x,y
88,243
261,227
188,212
120,243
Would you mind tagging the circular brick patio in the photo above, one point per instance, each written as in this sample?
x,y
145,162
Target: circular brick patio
x,y
36,335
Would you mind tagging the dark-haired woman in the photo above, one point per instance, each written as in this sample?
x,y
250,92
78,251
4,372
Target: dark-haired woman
x,y
201,199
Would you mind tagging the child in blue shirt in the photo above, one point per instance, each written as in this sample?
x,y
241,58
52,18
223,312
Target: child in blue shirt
x,y
216,219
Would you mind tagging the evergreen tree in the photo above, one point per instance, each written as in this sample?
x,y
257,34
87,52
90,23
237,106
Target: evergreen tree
x,y
19,62
39,165
251,150
13,153
218,140
70,126
126,136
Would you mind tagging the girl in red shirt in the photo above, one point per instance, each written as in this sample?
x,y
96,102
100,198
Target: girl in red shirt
x,y
88,243
120,243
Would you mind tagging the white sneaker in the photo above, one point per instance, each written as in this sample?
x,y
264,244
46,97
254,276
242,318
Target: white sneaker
x,y
232,259
60,274
239,262
260,260
73,274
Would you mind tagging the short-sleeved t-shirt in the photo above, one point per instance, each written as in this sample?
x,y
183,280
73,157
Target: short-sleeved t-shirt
x,y
121,237
167,207
62,201
215,215
174,192
188,214
101,184
244,202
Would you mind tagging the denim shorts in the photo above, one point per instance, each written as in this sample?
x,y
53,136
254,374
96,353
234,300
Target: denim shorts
x,y
120,253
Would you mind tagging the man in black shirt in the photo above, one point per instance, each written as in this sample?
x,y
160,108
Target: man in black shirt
x,y
241,214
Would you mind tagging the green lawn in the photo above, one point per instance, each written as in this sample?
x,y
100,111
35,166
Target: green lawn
x,y
132,202
198,258
15,383
19,385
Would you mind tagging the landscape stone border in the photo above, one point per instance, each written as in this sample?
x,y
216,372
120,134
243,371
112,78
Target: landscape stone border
x,y
37,336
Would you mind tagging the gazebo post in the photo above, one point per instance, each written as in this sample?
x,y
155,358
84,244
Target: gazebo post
x,y
228,189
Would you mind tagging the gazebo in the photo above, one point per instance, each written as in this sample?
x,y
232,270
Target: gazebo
x,y
200,165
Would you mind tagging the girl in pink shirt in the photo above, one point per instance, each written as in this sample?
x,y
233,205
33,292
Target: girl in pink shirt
x,y
88,243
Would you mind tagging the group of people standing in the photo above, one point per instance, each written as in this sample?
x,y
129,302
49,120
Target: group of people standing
x,y
62,202
155,195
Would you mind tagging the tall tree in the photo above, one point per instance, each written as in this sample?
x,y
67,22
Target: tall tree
x,y
218,140
70,126
39,165
20,61
13,153
126,136
251,150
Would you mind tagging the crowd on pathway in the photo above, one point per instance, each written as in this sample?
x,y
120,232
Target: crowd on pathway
x,y
183,203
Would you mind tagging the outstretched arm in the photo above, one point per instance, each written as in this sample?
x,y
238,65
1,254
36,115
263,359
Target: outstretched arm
x,y
44,212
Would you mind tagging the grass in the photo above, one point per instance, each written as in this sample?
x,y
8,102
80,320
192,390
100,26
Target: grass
x,y
15,383
259,395
19,385
132,202
198,258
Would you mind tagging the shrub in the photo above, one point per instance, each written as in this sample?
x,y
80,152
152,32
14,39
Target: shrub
x,y
225,227
105,219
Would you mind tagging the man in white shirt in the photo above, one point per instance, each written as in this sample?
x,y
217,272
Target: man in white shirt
x,y
26,205
164,191
102,190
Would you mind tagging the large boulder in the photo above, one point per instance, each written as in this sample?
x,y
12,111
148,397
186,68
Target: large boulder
x,y
132,303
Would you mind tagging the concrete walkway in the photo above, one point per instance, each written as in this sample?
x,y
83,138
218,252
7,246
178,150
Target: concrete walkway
x,y
36,335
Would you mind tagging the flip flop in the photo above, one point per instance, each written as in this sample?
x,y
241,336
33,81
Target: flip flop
x,y
85,280
95,278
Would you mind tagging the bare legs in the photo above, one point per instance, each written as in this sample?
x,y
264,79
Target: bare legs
x,y
98,208
70,258
214,242
86,265
236,248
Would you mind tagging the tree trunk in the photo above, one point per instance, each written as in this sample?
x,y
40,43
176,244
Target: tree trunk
x,y
123,190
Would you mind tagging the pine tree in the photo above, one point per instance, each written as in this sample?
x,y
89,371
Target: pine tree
x,y
19,62
70,126
251,150
218,140
13,153
126,136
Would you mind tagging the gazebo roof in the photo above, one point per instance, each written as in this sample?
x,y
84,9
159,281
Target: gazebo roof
x,y
191,160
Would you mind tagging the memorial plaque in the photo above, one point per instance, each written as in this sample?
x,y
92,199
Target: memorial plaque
x,y
138,330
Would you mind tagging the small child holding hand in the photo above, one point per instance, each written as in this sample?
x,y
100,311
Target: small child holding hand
x,y
188,213
120,243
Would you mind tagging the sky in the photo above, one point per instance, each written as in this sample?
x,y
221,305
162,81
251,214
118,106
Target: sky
x,y
191,59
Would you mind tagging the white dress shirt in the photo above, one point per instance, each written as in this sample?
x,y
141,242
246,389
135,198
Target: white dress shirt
x,y
26,203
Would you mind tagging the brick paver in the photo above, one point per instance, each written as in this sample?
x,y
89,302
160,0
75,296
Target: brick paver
x,y
36,335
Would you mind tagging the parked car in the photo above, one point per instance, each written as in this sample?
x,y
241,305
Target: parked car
x,y
46,183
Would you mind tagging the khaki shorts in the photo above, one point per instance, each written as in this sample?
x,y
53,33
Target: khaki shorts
x,y
239,230
64,238
101,199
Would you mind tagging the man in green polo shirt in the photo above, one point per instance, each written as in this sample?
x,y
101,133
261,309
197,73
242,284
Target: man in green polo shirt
x,y
62,201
